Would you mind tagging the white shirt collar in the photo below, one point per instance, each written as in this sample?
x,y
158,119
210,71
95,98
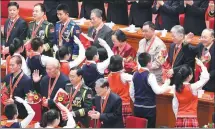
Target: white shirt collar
x,y
186,83
63,61
91,61
39,22
145,68
49,127
15,120
210,46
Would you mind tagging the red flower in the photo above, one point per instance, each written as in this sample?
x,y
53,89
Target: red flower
x,y
33,97
62,98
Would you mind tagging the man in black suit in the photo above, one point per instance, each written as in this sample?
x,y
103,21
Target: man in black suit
x,y
140,8
99,29
51,9
88,5
194,20
108,112
167,13
117,11
178,52
14,27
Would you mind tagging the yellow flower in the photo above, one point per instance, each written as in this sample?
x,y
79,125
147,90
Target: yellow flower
x,y
36,97
60,99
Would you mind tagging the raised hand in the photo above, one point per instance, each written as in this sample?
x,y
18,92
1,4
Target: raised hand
x,y
189,37
102,42
36,76
76,40
20,100
199,62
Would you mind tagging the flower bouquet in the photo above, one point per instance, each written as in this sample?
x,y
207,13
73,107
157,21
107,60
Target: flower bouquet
x,y
34,100
209,125
62,97
206,57
162,56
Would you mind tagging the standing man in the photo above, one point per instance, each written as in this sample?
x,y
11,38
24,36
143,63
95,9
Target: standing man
x,y
88,5
99,29
65,30
81,100
140,8
154,46
194,20
167,13
14,27
42,29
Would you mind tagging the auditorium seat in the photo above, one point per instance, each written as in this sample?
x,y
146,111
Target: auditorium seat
x,y
4,11
181,19
136,122
211,23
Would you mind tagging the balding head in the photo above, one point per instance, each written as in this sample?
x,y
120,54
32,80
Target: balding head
x,y
52,67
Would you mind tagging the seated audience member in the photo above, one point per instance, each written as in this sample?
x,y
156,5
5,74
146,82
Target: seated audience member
x,y
210,14
108,112
125,50
120,84
81,102
16,48
178,54
205,51
167,13
63,55
140,8
37,61
65,30
185,99
144,91
99,29
194,20
154,46
88,5
51,118
117,11
12,113
21,85
92,70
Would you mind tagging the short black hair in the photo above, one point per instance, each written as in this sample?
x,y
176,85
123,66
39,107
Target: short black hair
x,y
103,82
120,35
18,59
15,45
63,7
144,59
62,52
91,52
13,4
10,111
102,54
79,72
43,9
151,24
115,63
49,117
36,43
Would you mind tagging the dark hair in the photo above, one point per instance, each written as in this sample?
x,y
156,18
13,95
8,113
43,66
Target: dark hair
x,y
102,54
63,7
36,43
91,52
151,24
18,59
10,111
43,9
144,59
79,71
49,117
120,35
13,4
62,52
180,77
115,63
17,43
103,82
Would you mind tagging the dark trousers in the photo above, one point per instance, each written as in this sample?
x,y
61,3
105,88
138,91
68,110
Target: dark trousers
x,y
147,113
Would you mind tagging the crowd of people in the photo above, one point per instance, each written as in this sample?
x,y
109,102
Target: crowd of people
x,y
105,79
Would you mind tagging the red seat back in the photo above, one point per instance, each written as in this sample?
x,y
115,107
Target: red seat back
x,y
181,19
211,23
136,122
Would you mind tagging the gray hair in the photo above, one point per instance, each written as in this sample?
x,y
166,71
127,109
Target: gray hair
x,y
102,82
211,31
97,12
178,29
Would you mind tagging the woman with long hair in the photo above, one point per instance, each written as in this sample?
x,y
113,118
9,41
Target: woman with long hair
x,y
185,99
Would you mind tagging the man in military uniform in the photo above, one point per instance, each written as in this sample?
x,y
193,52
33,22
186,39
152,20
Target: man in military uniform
x,y
42,28
80,101
65,30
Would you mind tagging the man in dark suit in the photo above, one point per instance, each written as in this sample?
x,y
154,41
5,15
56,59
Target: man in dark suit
x,y
14,27
117,11
167,13
138,10
99,29
51,9
21,84
178,52
194,20
108,112
88,5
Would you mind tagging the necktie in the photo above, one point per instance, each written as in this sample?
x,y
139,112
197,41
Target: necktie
x,y
10,24
94,34
205,50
